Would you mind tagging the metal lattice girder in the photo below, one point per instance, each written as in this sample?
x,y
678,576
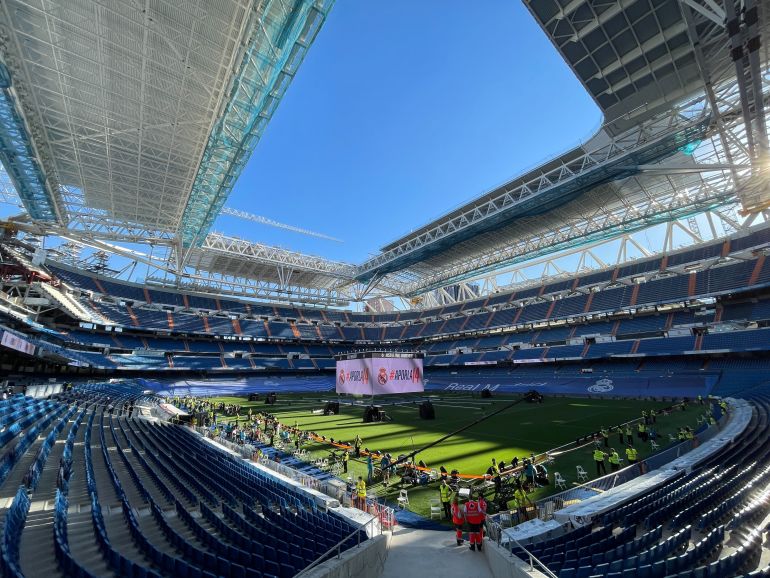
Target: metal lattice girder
x,y
719,169
18,156
235,257
8,193
279,38
98,223
616,252
605,160
602,225
208,283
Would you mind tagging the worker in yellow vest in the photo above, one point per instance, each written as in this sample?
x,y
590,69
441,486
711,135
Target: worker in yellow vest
x,y
361,493
629,435
631,454
599,456
446,495
642,431
614,460
522,501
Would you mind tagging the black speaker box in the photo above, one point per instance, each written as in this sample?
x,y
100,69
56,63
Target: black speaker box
x,y
427,411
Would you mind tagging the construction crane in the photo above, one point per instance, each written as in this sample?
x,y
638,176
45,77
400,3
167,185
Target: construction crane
x,y
270,222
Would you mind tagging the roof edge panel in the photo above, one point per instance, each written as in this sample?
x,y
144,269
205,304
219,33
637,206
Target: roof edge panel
x,y
268,64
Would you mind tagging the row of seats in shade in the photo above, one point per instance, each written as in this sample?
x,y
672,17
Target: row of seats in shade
x,y
625,329
726,277
609,300
718,497
284,531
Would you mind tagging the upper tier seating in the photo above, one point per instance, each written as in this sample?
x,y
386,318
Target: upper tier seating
x,y
554,301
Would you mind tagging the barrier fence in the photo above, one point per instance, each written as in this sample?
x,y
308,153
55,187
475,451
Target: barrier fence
x,y
332,487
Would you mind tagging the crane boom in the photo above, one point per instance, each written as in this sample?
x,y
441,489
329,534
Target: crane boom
x,y
270,222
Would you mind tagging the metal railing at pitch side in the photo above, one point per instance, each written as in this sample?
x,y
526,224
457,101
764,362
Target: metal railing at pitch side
x,y
247,452
385,514
336,550
304,479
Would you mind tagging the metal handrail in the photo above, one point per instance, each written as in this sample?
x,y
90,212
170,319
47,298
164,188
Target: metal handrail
x,y
533,560
338,547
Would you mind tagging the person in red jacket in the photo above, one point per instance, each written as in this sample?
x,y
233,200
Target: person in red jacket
x,y
475,517
458,519
483,510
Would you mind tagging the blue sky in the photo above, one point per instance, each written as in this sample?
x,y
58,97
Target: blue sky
x,y
401,111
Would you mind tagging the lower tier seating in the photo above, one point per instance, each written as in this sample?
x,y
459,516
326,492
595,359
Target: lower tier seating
x,y
96,492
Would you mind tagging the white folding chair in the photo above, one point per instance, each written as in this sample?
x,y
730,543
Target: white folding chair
x,y
559,481
403,499
582,475
672,437
545,511
435,508
654,445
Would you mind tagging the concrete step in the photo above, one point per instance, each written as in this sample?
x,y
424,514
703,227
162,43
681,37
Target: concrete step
x,y
83,547
421,552
36,549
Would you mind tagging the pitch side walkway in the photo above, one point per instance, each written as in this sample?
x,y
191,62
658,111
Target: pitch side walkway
x,y
432,553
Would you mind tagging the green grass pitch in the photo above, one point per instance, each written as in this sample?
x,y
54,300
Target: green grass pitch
x,y
518,431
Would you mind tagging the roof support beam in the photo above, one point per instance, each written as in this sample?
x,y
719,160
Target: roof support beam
x,y
20,159
205,282
617,7
709,9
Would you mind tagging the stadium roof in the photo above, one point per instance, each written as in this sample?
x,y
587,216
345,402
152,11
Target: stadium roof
x,y
132,122
150,110
634,57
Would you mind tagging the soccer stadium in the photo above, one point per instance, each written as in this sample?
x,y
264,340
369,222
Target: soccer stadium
x,y
220,357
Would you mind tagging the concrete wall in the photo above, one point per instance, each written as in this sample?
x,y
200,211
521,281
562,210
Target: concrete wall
x,y
365,561
503,565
